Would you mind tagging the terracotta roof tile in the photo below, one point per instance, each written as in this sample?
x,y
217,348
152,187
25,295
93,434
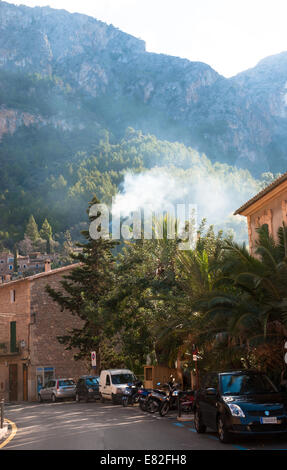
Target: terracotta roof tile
x,y
262,193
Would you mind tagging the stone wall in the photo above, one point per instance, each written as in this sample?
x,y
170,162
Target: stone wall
x,y
14,307
48,322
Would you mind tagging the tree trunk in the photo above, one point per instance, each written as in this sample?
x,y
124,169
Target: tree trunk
x,y
178,366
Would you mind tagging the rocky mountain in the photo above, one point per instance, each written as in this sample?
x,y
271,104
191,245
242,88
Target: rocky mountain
x,y
68,70
82,104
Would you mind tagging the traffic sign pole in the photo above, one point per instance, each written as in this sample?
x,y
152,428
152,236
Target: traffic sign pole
x,y
94,359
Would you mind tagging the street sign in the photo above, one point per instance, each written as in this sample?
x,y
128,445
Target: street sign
x,y
94,358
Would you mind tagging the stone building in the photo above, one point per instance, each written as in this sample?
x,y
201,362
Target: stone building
x,y
30,322
32,263
269,207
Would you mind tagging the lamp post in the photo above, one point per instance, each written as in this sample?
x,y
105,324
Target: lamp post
x,y
195,358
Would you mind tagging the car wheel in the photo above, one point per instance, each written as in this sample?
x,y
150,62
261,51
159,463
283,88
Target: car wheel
x,y
40,399
114,400
54,398
102,399
198,424
223,434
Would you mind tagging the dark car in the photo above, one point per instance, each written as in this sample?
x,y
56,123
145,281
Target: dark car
x,y
87,388
244,402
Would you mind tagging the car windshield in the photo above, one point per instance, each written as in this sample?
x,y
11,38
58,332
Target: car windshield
x,y
118,379
64,383
242,384
92,381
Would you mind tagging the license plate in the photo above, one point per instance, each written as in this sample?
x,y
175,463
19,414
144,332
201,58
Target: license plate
x,y
269,420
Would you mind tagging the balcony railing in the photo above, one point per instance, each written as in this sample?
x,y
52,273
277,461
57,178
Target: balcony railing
x,y
5,349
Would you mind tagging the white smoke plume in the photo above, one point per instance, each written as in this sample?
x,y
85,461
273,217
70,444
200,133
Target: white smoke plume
x,y
217,194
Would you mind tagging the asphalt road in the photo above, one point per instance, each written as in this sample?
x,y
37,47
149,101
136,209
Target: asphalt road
x,y
95,426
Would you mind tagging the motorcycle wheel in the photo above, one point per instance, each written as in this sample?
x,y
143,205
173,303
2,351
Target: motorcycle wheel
x,y
164,409
187,407
142,405
125,402
152,406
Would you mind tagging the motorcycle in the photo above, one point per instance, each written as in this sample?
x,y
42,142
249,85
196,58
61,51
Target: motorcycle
x,y
131,394
187,401
143,396
155,399
176,399
170,401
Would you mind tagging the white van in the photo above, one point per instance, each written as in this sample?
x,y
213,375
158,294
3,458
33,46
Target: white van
x,y
113,383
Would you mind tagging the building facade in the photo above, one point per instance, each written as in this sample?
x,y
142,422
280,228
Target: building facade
x,y
30,321
269,207
28,264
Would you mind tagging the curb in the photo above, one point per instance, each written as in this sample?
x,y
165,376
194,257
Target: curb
x,y
185,418
11,426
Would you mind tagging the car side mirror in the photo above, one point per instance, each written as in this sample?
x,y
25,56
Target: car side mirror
x,y
211,391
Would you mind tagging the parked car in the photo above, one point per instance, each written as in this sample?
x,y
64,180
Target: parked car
x,y
113,383
57,389
87,388
243,402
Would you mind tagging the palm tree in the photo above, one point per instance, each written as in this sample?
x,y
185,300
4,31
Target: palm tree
x,y
195,275
250,298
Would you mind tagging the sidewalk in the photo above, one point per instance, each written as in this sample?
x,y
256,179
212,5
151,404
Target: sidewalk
x,y
3,431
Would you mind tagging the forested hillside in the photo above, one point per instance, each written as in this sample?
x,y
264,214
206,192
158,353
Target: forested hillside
x,y
53,174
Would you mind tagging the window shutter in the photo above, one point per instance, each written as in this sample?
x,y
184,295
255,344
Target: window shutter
x,y
13,347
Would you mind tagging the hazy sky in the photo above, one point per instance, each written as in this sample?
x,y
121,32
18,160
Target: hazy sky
x,y
229,35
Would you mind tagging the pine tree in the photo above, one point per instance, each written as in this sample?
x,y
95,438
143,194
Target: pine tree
x,y
46,233
15,268
84,291
67,248
32,229
46,230
49,247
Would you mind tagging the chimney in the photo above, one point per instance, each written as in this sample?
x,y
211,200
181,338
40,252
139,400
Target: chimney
x,y
47,265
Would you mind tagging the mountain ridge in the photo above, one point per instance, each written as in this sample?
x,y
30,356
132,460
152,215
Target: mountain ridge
x,y
240,120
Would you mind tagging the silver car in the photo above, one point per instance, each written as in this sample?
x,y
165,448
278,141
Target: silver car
x,y
56,389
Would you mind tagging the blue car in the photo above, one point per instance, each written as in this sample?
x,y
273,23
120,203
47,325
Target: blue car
x,y
243,402
87,388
